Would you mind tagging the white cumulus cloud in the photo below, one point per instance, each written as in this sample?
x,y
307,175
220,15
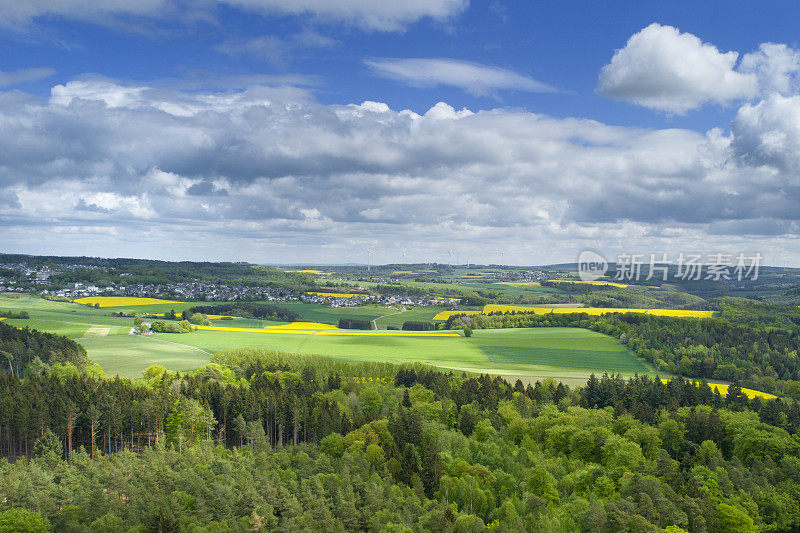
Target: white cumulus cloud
x,y
777,67
666,70
768,133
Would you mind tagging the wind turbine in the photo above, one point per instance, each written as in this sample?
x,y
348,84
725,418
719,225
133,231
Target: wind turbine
x,y
404,256
369,256
449,258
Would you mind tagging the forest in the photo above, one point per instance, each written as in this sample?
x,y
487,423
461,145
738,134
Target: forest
x,y
24,350
258,440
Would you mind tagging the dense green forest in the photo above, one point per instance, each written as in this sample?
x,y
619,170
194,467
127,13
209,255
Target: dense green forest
x,y
259,440
28,350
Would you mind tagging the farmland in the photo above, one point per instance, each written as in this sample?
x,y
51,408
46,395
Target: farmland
x,y
565,353
121,301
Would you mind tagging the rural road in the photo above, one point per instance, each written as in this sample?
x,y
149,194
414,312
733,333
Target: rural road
x,y
375,322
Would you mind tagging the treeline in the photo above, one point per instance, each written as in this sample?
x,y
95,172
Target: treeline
x,y
760,358
22,315
147,271
410,325
354,323
263,441
161,326
643,397
24,347
248,310
757,314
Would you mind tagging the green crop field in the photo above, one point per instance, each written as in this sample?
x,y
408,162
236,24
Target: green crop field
x,y
557,347
129,355
568,354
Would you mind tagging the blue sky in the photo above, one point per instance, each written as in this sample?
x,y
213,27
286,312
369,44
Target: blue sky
x,y
656,126
562,44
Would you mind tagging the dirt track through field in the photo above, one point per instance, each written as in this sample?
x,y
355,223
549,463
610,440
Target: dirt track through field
x,y
97,331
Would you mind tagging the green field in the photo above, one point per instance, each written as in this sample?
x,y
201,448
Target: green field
x,y
129,355
557,347
568,354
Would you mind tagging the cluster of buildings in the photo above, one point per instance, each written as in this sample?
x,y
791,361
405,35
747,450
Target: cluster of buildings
x,y
521,276
19,277
173,291
354,300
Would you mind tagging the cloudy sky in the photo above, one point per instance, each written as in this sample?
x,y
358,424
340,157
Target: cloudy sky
x,y
312,130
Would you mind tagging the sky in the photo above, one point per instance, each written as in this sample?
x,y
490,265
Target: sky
x,y
311,131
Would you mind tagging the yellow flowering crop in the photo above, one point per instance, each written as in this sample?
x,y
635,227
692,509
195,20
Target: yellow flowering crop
x,y
121,301
334,294
723,390
594,311
444,315
303,325
610,283
680,312
350,332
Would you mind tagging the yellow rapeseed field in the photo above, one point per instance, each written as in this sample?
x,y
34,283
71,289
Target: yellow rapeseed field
x,y
723,390
594,311
121,301
502,308
350,332
444,315
317,272
383,333
518,283
680,312
496,308
303,325
334,294
210,317
610,283
257,330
